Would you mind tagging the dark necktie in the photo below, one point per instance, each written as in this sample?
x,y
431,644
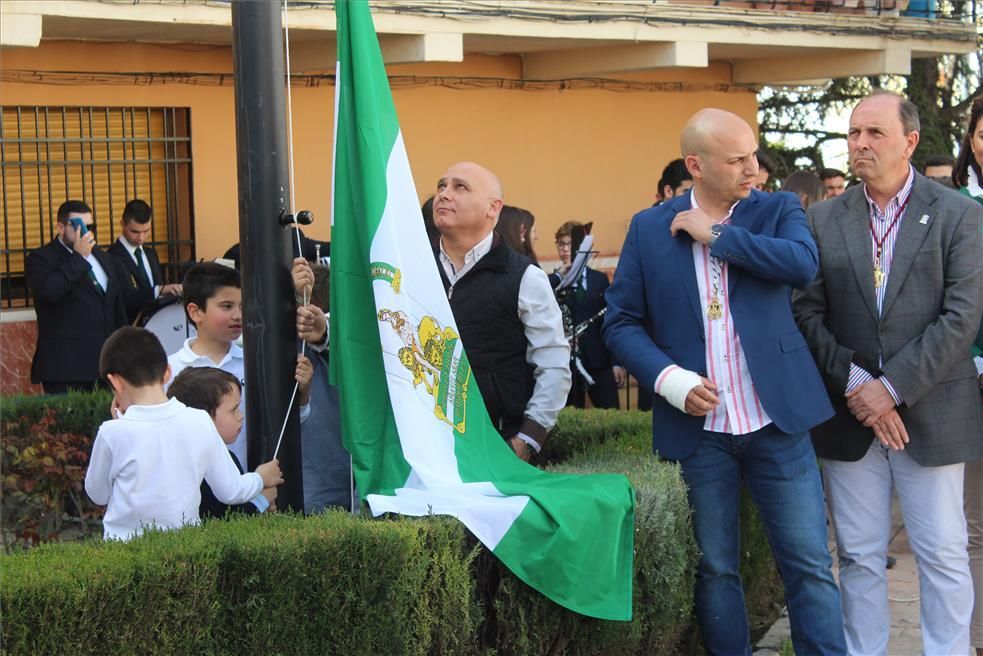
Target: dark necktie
x,y
138,253
95,282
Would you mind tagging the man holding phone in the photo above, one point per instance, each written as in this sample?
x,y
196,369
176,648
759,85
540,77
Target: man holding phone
x,y
78,299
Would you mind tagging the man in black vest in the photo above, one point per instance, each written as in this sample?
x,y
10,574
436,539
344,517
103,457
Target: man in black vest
x,y
505,310
144,276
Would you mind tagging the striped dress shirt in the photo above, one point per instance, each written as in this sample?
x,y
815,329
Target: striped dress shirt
x,y
884,229
740,410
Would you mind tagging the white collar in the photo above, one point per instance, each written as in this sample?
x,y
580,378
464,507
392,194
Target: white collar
x,y
188,356
899,198
153,412
696,206
127,245
481,249
973,184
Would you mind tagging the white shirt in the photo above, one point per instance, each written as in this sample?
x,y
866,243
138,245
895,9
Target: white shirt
x,y
131,249
148,465
546,347
234,364
97,269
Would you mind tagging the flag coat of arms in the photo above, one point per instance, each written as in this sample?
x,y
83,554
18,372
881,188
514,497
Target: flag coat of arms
x,y
412,416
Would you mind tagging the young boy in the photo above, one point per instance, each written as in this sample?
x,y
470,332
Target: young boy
x,y
218,393
147,465
213,300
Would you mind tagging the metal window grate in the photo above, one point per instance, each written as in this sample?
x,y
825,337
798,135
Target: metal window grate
x,y
104,156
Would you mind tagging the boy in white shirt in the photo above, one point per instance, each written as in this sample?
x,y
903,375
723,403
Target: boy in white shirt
x,y
218,393
147,465
212,298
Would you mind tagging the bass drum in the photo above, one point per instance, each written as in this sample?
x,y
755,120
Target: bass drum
x,y
165,317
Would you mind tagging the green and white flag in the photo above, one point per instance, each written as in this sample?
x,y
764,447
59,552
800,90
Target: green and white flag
x,y
412,415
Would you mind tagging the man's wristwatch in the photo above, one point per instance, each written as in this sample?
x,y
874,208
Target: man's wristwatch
x,y
715,230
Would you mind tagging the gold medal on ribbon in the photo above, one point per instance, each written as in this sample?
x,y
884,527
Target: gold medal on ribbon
x,y
714,311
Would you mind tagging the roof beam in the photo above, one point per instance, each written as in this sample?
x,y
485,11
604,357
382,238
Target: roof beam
x,y
420,48
893,60
20,30
558,64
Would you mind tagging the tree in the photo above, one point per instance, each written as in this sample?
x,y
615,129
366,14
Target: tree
x,y
794,122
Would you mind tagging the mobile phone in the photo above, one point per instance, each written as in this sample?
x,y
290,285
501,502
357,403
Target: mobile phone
x,y
79,224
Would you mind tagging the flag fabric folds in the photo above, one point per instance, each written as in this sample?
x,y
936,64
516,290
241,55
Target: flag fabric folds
x,y
412,415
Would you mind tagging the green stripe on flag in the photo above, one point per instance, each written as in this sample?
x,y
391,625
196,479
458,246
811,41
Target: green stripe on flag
x,y
367,129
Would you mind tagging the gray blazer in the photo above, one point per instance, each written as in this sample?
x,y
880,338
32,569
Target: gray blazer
x,y
932,308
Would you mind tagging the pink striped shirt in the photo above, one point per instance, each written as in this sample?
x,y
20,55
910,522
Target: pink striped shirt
x,y
740,411
886,230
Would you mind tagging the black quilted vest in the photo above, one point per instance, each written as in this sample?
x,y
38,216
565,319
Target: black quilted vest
x,y
485,303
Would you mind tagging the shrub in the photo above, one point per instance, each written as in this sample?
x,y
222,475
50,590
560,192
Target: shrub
x,y
525,622
44,455
583,431
341,584
79,413
277,583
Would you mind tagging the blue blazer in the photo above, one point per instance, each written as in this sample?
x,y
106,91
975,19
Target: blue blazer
x,y
655,319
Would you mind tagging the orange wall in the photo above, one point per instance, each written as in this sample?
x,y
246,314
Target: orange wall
x,y
570,154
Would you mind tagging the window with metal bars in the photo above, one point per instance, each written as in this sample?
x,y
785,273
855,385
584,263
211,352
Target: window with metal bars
x,y
104,156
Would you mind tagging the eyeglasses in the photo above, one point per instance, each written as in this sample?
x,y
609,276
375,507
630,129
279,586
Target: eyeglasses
x,y
563,244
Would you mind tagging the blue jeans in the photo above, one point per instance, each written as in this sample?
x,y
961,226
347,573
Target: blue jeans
x,y
781,474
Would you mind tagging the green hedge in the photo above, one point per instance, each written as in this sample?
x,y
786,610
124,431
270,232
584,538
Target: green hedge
x,y
274,584
79,413
665,559
341,584
579,431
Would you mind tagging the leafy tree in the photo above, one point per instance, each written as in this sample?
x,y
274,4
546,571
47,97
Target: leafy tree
x,y
793,120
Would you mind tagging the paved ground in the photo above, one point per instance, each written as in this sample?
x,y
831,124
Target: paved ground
x,y
906,635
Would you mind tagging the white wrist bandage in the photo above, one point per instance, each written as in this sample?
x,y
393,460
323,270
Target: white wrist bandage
x,y
677,385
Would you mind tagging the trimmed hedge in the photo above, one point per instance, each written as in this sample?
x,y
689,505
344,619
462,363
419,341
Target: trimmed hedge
x,y
525,622
273,584
582,431
340,584
80,413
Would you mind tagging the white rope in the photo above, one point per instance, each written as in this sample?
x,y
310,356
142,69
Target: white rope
x,y
300,248
293,205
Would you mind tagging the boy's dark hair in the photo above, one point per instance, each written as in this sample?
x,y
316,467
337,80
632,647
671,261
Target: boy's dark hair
x,y
826,174
202,387
137,210
204,280
72,206
939,160
135,355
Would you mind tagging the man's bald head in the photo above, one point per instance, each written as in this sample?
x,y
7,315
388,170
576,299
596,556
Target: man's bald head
x,y
719,149
468,202
706,127
480,174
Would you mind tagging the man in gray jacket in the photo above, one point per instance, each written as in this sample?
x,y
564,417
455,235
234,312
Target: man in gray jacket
x,y
890,319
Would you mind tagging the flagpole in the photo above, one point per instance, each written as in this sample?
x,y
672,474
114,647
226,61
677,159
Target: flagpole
x,y
269,338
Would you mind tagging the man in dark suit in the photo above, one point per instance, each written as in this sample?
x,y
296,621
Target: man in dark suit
x,y
699,312
78,298
582,304
890,319
144,278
